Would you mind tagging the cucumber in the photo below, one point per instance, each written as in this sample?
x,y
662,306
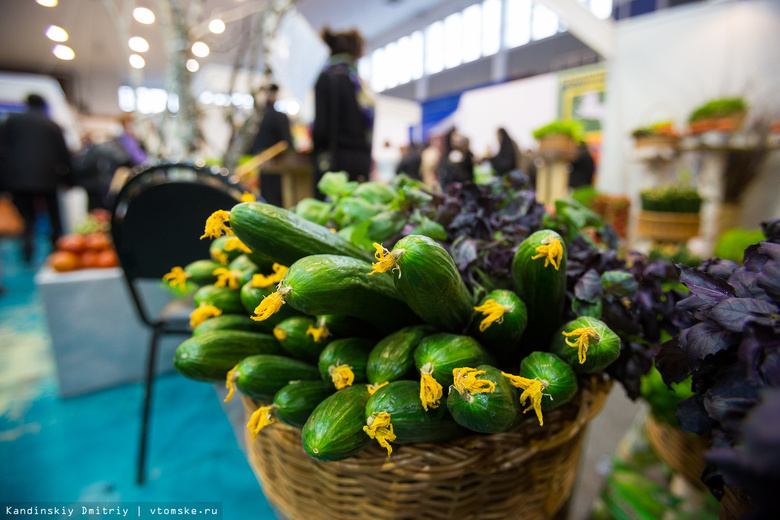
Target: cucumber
x,y
252,296
409,421
296,401
499,323
547,380
428,282
587,344
263,263
230,322
326,284
483,400
201,272
340,326
295,337
219,254
210,355
539,273
334,430
285,237
246,266
438,355
344,361
393,357
223,298
260,377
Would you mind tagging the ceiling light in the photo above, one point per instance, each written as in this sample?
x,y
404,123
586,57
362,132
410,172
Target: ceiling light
x,y
136,61
200,49
192,65
138,44
57,34
143,15
47,3
217,26
63,52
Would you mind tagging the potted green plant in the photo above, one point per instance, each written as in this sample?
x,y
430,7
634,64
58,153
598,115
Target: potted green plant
x,y
725,114
662,133
559,137
669,213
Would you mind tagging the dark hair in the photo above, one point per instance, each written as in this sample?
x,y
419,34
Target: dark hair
x,y
36,101
273,87
348,42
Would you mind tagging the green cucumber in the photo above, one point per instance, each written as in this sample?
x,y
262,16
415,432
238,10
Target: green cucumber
x,y
600,346
260,377
201,272
296,401
560,382
499,325
293,334
429,282
285,237
438,355
210,355
326,284
485,410
347,352
393,357
264,264
223,298
251,297
230,322
340,326
334,430
247,267
218,253
539,272
411,423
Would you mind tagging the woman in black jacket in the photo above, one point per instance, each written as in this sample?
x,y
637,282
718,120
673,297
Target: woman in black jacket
x,y
344,112
506,158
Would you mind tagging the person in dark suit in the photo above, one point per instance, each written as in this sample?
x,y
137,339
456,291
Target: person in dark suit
x,y
582,167
274,127
506,159
35,162
344,112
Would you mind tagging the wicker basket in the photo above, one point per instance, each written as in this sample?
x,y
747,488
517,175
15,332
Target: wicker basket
x,y
670,227
558,145
527,472
683,452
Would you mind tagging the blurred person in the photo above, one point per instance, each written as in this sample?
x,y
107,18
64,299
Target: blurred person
x,y
274,127
134,149
411,161
457,162
386,161
344,112
507,158
582,167
35,162
94,167
429,164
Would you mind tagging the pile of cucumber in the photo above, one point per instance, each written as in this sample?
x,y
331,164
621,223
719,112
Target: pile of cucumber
x,y
356,347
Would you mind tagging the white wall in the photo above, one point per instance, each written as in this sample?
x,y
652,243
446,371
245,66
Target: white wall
x,y
392,119
668,63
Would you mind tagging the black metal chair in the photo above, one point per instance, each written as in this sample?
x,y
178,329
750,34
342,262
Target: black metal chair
x,y
156,223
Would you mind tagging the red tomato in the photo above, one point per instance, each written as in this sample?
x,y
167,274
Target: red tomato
x,y
89,259
64,261
72,243
98,242
107,258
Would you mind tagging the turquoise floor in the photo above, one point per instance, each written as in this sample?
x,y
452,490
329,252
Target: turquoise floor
x,y
83,449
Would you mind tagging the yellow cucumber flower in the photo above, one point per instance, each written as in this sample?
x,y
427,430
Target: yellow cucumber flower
x,y
216,225
551,250
248,197
380,428
533,390
280,334
270,305
385,260
202,313
226,277
176,278
317,333
341,375
220,256
373,388
430,389
262,281
230,382
234,243
466,381
582,341
261,418
493,312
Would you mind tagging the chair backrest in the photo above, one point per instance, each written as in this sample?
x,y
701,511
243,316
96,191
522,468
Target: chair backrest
x,y
159,216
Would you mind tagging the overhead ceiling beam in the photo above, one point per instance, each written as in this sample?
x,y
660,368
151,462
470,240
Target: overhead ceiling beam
x,y
597,34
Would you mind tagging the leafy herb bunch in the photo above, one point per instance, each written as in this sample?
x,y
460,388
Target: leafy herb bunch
x,y
732,351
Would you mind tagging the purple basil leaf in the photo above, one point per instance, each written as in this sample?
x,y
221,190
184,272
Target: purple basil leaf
x,y
759,352
464,252
718,267
771,229
769,277
693,417
709,288
588,288
691,304
770,369
672,363
619,284
745,284
753,260
730,398
736,313
704,339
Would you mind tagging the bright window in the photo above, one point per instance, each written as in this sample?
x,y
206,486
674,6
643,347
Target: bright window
x,y
417,60
453,41
472,33
364,68
391,65
491,27
518,23
434,48
404,60
601,8
544,23
378,70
